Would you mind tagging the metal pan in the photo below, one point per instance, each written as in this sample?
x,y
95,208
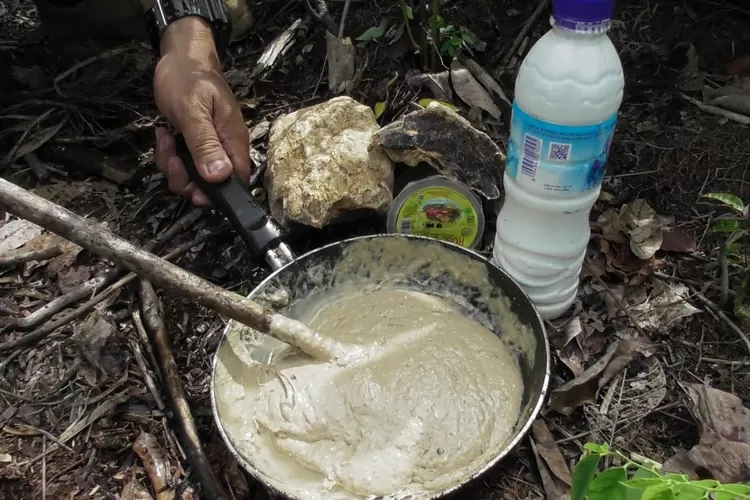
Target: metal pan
x,y
482,290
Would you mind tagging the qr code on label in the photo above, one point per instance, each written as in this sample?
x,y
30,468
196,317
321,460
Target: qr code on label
x,y
559,152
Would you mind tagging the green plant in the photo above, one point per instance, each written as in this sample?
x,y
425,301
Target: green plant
x,y
447,39
641,479
733,223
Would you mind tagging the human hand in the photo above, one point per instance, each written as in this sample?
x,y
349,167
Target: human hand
x,y
191,92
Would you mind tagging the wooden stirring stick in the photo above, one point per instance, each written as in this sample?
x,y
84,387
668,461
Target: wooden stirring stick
x,y
96,239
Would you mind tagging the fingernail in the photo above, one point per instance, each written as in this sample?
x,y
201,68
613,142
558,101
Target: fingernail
x,y
218,166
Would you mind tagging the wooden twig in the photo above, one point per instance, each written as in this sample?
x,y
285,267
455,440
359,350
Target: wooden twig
x,y
95,238
717,310
90,287
322,16
154,323
519,38
273,52
344,15
146,375
10,260
40,333
707,108
84,63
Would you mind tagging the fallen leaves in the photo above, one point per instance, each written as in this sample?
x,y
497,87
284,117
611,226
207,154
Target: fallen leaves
x,y
724,448
471,91
662,306
554,471
625,242
16,233
582,389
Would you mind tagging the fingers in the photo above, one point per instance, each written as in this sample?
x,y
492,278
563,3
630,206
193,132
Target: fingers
x,y
211,160
235,137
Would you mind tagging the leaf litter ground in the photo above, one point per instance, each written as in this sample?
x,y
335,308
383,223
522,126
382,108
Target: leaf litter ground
x,y
74,407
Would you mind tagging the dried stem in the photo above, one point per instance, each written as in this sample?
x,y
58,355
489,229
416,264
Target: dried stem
x,y
9,260
154,323
84,308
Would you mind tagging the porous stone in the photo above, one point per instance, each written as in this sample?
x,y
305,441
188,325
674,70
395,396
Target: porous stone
x,y
323,162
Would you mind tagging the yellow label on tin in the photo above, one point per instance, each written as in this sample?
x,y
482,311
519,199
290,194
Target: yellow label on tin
x,y
440,213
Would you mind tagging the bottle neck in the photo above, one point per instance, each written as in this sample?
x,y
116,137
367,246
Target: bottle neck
x,y
580,28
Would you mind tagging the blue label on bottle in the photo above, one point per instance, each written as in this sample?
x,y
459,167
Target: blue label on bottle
x,y
548,157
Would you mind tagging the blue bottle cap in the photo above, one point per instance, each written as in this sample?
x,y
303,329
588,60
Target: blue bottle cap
x,y
583,15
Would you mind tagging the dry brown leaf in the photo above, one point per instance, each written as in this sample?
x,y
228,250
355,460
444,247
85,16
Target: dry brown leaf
x,y
725,461
341,57
91,336
438,83
16,233
471,91
566,398
664,305
719,412
676,240
133,490
643,228
724,448
550,452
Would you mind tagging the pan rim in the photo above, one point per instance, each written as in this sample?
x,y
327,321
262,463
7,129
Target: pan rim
x,y
510,446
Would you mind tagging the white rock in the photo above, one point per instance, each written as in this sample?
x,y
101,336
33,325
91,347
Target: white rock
x,y
323,162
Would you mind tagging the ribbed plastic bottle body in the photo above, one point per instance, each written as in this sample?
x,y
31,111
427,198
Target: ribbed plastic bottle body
x,y
568,92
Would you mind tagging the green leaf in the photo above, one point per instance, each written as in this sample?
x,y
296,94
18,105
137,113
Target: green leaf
x,y
661,491
634,493
608,485
379,109
731,491
601,449
727,199
374,33
695,490
725,226
426,102
583,474
407,11
644,482
736,236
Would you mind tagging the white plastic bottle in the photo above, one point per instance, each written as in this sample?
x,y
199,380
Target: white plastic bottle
x,y
568,92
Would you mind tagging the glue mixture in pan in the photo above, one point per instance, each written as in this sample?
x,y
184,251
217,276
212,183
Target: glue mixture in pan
x,y
436,401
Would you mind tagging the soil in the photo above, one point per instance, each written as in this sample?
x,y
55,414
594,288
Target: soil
x,y
86,105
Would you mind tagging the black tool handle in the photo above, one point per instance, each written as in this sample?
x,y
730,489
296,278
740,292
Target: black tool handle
x,y
230,197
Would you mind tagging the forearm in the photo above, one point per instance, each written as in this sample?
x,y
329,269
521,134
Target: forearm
x,y
191,37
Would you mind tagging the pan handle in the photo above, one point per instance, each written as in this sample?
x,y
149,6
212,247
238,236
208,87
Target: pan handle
x,y
259,232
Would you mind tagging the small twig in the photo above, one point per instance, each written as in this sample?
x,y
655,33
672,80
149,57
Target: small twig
x,y
520,37
344,15
154,322
724,276
733,364
22,258
146,375
713,110
84,63
717,310
615,298
44,467
322,16
40,333
103,280
143,335
12,154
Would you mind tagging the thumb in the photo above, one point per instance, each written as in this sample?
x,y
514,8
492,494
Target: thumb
x,y
211,161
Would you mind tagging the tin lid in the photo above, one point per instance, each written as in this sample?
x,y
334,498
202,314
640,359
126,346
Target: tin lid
x,y
438,207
